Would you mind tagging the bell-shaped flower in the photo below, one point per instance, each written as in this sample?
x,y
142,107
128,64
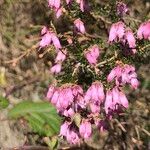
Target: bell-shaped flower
x,y
54,3
123,99
117,31
64,129
79,26
72,137
61,56
144,31
92,54
44,30
85,129
108,102
46,39
56,41
50,92
56,68
129,37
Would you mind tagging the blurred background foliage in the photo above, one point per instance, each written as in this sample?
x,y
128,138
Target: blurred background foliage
x,y
20,25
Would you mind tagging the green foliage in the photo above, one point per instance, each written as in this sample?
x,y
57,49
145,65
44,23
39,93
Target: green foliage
x,y
42,117
3,102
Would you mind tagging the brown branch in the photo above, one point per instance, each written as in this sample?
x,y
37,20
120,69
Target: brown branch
x,y
14,88
101,18
107,60
26,53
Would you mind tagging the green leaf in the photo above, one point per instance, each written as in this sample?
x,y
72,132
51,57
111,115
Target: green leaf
x,y
30,107
42,117
3,102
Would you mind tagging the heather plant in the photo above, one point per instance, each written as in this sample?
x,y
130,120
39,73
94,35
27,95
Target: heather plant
x,y
92,63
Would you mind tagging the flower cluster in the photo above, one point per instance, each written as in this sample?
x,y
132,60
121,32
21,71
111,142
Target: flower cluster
x,y
123,74
71,100
119,33
58,8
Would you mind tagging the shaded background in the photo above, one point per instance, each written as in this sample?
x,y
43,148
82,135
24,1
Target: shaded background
x,y
20,25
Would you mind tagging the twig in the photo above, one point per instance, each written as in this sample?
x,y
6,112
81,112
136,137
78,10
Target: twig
x,y
27,52
146,46
19,86
130,18
145,131
30,148
107,60
101,18
120,125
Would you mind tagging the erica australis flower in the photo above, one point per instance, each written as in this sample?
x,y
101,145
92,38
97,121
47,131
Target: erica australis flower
x,y
117,31
56,68
73,137
64,128
124,74
115,98
68,1
85,129
56,41
144,31
50,92
61,56
48,38
92,54
121,9
44,30
95,96
79,25
59,12
54,3
130,39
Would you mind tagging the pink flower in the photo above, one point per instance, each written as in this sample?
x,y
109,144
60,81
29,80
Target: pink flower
x,y
56,68
116,31
108,102
121,9
61,56
115,72
55,96
92,54
115,98
79,25
85,129
134,83
56,41
59,12
54,3
83,5
46,39
64,129
77,90
129,37
73,137
123,100
95,93
68,1
44,30
50,92
69,113
95,108
124,74
144,31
